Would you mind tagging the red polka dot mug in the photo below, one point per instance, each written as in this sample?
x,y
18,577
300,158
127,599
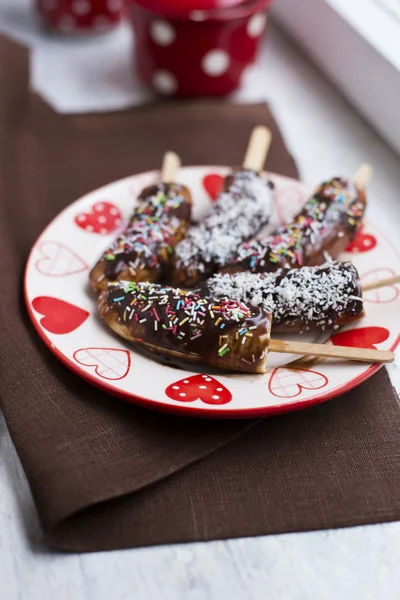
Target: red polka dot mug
x,y
80,16
193,47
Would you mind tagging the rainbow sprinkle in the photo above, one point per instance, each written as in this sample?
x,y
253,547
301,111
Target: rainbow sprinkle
x,y
335,202
148,240
181,317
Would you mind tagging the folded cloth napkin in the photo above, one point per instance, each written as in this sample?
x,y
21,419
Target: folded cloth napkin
x,y
105,474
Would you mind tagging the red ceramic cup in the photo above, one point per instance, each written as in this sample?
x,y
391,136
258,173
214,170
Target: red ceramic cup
x,y
192,52
80,16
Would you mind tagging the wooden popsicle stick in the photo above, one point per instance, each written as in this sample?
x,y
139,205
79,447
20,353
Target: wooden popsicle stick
x,y
310,361
257,149
359,354
362,176
375,285
170,166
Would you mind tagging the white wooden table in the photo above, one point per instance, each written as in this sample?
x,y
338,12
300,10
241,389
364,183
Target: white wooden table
x,y
326,137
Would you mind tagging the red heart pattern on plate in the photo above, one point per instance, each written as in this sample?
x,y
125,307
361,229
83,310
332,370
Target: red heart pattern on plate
x,y
382,295
288,201
103,218
109,363
59,316
213,185
363,242
364,337
57,260
289,383
199,387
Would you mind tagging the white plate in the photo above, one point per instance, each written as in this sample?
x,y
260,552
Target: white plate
x,y
63,311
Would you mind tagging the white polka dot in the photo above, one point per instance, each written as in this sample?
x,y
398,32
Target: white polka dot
x,y
162,33
219,389
204,376
117,222
256,24
66,23
207,378
182,394
185,381
198,15
202,387
113,211
89,228
175,387
103,230
98,207
164,82
81,7
81,218
215,397
215,62
102,219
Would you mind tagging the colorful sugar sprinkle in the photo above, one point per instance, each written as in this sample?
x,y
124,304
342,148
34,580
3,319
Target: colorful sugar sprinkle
x,y
334,204
187,321
151,233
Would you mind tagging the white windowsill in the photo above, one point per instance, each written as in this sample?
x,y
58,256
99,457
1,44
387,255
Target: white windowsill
x,y
356,43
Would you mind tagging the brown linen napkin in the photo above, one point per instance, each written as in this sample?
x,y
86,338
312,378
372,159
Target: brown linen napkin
x,y
105,474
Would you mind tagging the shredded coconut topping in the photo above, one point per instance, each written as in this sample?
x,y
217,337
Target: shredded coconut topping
x,y
237,215
318,296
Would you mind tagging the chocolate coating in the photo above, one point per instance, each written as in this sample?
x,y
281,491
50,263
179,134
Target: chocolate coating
x,y
325,226
239,212
225,334
322,297
144,250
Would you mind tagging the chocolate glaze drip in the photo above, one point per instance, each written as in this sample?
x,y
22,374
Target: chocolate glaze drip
x,y
325,226
225,334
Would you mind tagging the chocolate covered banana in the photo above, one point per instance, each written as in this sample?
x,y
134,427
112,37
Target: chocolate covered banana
x,y
143,252
224,334
321,297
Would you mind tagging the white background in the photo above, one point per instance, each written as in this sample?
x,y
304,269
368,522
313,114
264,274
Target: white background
x,y
327,137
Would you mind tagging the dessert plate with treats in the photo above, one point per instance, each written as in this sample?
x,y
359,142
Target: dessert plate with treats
x,y
204,348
